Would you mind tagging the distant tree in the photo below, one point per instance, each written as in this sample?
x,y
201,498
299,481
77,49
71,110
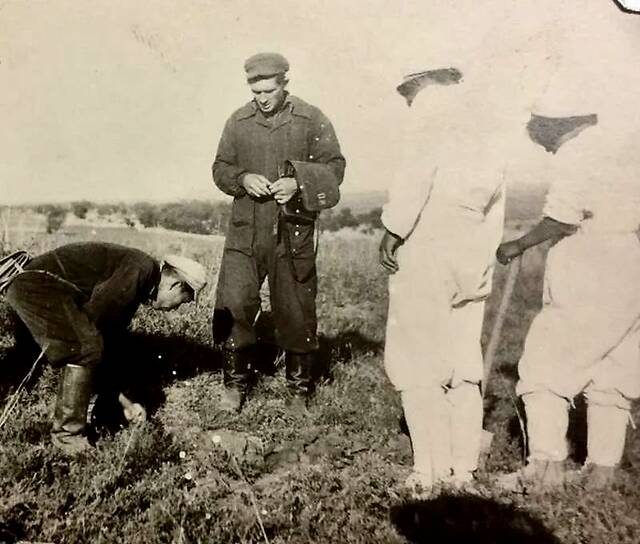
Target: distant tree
x,y
197,216
346,218
106,209
55,217
371,219
81,208
146,213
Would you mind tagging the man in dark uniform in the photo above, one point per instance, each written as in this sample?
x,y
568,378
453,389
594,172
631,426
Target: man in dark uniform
x,y
262,240
73,297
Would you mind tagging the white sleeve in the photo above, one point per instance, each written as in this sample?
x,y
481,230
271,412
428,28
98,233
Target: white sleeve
x,y
412,179
563,202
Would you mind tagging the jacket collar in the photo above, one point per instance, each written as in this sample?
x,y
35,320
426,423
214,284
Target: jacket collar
x,y
293,106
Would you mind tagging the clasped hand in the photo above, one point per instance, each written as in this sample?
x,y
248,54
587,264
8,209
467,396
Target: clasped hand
x,y
258,186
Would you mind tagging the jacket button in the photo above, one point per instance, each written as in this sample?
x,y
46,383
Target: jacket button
x,y
297,233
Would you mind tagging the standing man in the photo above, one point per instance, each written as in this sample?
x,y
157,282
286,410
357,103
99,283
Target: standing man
x,y
269,234
73,297
460,136
443,222
586,338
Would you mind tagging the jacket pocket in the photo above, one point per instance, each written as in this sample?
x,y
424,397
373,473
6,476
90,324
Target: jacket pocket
x,y
242,212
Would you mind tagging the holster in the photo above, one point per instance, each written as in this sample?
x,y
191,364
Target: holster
x,y
318,190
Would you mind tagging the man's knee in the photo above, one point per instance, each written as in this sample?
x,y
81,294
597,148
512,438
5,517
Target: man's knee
x,y
88,352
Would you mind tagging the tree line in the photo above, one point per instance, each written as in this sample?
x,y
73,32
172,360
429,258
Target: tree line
x,y
195,216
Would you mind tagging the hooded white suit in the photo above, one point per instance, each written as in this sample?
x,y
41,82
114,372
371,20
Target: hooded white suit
x,y
447,202
587,335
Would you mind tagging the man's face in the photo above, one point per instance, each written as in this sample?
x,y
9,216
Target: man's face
x,y
171,293
269,94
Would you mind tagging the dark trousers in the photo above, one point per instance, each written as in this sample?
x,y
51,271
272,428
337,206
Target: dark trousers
x,y
51,310
293,302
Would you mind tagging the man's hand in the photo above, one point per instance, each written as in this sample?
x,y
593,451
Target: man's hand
x,y
388,247
133,412
509,251
283,189
256,185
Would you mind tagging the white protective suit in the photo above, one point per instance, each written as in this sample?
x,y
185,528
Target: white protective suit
x,y
587,336
447,202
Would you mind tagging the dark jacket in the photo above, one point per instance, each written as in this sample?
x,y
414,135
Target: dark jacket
x,y
113,280
251,143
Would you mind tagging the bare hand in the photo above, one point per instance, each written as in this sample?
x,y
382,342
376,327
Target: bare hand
x,y
256,185
283,189
388,247
133,412
508,251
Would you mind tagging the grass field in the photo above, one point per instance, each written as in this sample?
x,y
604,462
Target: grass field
x,y
193,474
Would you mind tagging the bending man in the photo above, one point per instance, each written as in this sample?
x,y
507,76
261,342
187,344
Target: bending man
x,y
71,296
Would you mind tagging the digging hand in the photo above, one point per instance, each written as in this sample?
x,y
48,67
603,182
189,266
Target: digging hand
x,y
133,411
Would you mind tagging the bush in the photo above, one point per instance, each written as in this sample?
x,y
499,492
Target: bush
x,y
80,208
55,218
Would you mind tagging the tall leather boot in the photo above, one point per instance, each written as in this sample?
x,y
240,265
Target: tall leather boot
x,y
235,373
299,373
70,417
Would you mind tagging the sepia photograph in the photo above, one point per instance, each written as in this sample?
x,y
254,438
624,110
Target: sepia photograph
x,y
320,272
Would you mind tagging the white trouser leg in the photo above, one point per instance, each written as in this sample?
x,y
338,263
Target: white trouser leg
x,y
547,422
607,420
466,427
426,411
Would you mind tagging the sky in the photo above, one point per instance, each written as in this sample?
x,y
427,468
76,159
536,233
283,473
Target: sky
x,y
120,101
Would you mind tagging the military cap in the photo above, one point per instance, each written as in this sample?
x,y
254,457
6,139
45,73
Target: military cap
x,y
265,65
189,271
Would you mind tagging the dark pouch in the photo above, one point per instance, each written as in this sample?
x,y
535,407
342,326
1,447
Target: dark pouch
x,y
318,190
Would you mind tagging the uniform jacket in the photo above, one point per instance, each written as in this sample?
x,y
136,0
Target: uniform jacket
x,y
252,143
112,280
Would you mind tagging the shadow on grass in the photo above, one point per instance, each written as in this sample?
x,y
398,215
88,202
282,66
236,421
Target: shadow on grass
x,y
343,348
460,519
143,364
577,432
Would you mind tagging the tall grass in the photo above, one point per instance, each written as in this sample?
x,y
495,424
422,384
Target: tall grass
x,y
329,475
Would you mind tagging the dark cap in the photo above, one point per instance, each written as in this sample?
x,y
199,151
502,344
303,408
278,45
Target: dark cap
x,y
264,65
